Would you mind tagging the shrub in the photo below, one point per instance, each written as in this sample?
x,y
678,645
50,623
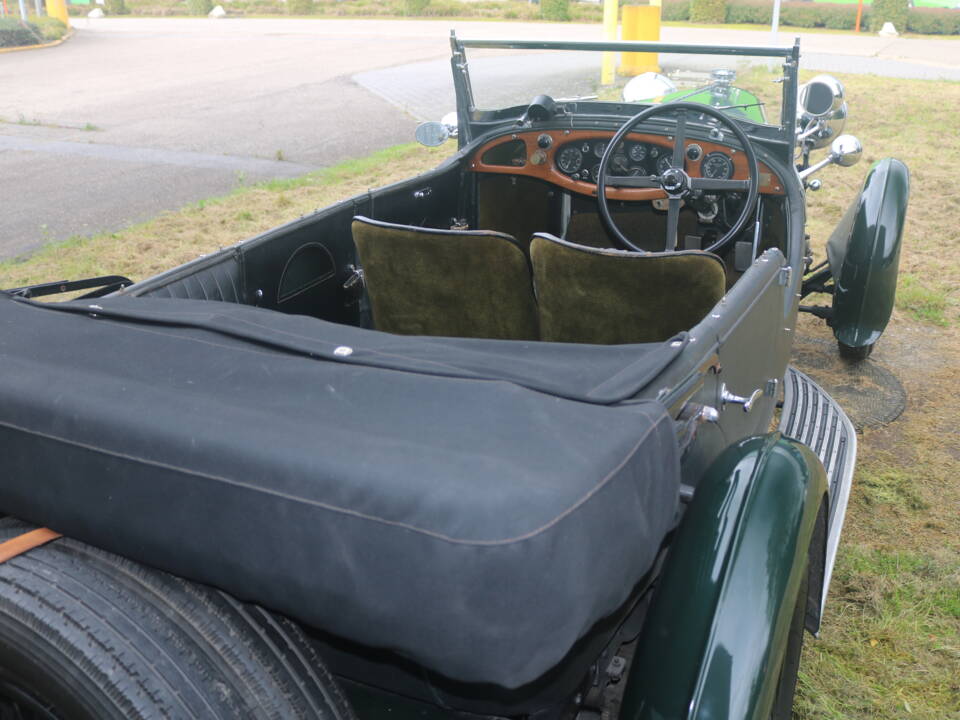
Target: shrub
x,y
199,7
13,33
933,21
301,7
116,7
50,28
675,11
414,7
751,13
555,10
894,11
708,11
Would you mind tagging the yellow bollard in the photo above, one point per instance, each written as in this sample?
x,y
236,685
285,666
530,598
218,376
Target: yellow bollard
x,y
640,22
609,34
58,10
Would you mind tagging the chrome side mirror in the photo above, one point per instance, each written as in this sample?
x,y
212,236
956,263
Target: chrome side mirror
x,y
846,150
431,133
450,122
435,133
822,111
821,96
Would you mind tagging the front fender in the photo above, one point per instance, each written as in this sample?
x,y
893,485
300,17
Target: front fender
x,y
718,625
864,255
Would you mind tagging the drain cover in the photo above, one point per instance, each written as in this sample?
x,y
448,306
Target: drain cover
x,y
870,394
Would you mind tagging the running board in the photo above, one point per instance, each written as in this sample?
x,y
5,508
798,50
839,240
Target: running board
x,y
814,418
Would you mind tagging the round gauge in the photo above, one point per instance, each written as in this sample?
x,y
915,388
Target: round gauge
x,y
618,164
717,165
638,151
694,151
599,148
654,151
570,159
595,172
663,162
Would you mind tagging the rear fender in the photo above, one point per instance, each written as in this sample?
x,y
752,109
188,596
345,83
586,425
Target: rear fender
x,y
718,625
864,255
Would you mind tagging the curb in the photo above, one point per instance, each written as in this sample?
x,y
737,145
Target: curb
x,y
38,47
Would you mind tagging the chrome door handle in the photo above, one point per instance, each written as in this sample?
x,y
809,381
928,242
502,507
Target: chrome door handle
x,y
747,402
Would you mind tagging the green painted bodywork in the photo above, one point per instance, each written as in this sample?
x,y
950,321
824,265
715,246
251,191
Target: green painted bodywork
x,y
864,254
717,629
734,101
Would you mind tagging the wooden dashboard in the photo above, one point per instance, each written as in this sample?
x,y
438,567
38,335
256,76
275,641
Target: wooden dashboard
x,y
534,160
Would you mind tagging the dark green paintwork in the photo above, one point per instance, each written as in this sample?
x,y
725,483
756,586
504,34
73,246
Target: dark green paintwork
x,y
718,625
864,253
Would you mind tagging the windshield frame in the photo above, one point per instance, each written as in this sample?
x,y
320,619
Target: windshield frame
x,y
467,109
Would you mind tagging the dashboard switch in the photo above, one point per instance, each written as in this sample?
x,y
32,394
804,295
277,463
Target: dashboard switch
x,y
544,141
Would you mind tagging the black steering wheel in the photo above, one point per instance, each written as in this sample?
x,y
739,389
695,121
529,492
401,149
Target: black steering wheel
x,y
674,180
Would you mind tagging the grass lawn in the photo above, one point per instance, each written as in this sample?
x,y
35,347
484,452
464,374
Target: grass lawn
x,y
890,645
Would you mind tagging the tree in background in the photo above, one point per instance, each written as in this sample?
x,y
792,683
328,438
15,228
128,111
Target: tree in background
x,y
894,11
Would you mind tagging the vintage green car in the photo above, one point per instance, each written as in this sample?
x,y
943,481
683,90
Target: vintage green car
x,y
514,438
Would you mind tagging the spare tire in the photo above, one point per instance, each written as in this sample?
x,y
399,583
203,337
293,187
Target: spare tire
x,y
87,634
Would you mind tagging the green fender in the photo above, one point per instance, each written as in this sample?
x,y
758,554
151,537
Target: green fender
x,y
864,254
717,627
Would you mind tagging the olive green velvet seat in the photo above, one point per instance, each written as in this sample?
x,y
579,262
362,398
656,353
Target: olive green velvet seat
x,y
455,283
609,297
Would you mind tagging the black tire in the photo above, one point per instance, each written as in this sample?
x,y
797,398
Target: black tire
x,y
848,352
87,634
790,667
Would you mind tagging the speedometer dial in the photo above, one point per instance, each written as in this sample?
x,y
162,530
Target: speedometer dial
x,y
717,165
570,159
638,152
664,162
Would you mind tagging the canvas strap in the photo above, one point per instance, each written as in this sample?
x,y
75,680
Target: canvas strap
x,y
28,541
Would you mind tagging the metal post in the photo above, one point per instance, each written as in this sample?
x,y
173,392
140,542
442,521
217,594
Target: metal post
x,y
775,24
859,14
38,6
609,34
23,11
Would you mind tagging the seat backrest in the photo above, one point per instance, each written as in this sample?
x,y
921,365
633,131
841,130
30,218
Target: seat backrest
x,y
609,297
456,283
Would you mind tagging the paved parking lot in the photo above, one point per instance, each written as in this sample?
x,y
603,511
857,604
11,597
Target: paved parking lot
x,y
131,117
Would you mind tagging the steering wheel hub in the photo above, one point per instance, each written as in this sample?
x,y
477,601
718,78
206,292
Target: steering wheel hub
x,y
674,181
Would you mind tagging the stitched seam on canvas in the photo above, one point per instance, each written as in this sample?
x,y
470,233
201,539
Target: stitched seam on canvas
x,y
353,513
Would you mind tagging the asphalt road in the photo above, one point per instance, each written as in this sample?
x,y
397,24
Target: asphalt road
x,y
131,117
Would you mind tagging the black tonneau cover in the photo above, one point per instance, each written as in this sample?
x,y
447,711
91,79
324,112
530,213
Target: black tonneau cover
x,y
474,505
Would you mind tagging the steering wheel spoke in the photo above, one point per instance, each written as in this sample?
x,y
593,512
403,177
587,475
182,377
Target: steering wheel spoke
x,y
708,184
633,181
680,139
673,223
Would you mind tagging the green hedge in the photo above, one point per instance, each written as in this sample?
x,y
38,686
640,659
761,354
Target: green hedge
x,y
929,21
50,27
894,11
708,11
555,10
934,21
199,7
301,7
675,11
13,33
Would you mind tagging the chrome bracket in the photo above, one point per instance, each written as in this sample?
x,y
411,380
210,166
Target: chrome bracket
x,y
727,397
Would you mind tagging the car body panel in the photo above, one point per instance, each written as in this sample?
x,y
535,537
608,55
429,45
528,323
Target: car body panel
x,y
718,624
864,253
